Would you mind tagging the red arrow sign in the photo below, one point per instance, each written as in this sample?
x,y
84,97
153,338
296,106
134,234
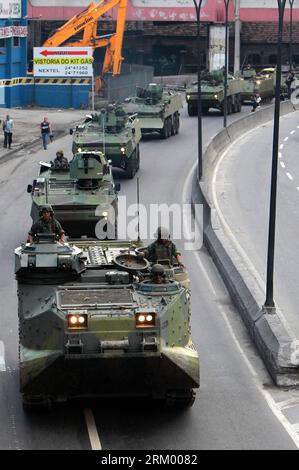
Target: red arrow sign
x,y
46,53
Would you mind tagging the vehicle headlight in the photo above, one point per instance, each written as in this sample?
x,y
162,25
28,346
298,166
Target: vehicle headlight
x,y
105,214
188,97
77,321
145,319
79,150
216,97
123,150
258,82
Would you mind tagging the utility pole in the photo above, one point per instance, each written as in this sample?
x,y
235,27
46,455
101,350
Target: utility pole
x,y
291,2
237,38
226,4
269,303
197,4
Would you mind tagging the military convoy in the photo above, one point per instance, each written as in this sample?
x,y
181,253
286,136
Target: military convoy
x,y
93,321
114,133
158,110
95,317
212,93
83,195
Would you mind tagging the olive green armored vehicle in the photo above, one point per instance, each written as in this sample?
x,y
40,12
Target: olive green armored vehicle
x,y
158,110
115,134
83,196
262,83
94,320
212,93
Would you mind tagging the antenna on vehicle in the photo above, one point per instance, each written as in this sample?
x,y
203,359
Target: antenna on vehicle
x,y
138,204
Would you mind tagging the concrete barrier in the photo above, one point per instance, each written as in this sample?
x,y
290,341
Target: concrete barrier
x,y
276,346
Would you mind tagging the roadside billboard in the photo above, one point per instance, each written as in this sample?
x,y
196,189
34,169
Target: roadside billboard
x,y
10,9
70,62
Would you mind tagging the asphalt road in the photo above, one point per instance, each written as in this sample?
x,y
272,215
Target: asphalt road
x,y
243,194
237,408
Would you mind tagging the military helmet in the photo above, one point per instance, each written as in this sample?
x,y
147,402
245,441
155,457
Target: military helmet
x,y
162,233
158,270
46,208
60,153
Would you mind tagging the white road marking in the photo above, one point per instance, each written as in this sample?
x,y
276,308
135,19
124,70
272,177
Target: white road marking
x,y
281,146
279,155
292,132
289,176
297,188
92,430
282,164
285,139
267,396
2,357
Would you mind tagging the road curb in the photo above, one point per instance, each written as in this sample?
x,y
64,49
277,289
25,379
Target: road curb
x,y
279,351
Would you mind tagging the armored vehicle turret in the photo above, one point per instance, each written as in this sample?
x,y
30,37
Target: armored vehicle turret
x,y
94,320
262,83
158,110
83,195
212,93
115,134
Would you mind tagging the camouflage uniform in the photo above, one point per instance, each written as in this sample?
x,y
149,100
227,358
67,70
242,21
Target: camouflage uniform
x,y
61,163
158,251
49,226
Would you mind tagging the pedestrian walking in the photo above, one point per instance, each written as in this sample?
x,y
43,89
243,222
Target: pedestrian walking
x,y
8,126
256,104
46,132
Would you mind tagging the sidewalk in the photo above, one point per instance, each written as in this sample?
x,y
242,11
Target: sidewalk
x,y
27,126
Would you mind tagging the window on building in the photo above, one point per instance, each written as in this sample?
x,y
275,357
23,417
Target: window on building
x,y
273,59
16,42
2,42
254,59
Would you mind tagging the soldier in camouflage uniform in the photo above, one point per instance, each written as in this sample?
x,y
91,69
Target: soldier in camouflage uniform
x,y
60,162
46,224
163,249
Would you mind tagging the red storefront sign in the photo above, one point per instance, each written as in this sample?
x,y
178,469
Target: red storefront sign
x,y
165,10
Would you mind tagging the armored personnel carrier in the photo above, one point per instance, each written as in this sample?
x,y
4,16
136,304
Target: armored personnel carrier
x,y
115,134
212,93
262,83
158,110
94,321
83,196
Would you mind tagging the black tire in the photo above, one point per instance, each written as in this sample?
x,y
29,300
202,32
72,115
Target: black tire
x,y
240,104
192,110
177,123
36,403
131,167
235,104
229,105
178,400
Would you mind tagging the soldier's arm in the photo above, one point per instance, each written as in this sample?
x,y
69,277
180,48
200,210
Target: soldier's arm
x,y
59,231
31,234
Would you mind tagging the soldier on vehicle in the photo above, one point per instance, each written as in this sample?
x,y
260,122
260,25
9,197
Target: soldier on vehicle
x,y
163,249
158,274
60,162
47,224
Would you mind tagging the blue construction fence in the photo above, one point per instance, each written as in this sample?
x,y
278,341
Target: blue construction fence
x,y
45,92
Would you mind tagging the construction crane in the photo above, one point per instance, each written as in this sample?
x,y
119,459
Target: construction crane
x,y
87,21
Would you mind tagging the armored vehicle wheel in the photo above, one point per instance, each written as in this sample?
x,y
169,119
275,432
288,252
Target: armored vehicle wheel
x,y
166,131
192,110
176,123
229,105
179,399
36,403
131,167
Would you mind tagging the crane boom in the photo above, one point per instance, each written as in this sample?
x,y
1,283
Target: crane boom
x,y
86,21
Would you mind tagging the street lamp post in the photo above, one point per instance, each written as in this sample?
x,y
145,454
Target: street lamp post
x,y
226,4
291,2
269,303
197,4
